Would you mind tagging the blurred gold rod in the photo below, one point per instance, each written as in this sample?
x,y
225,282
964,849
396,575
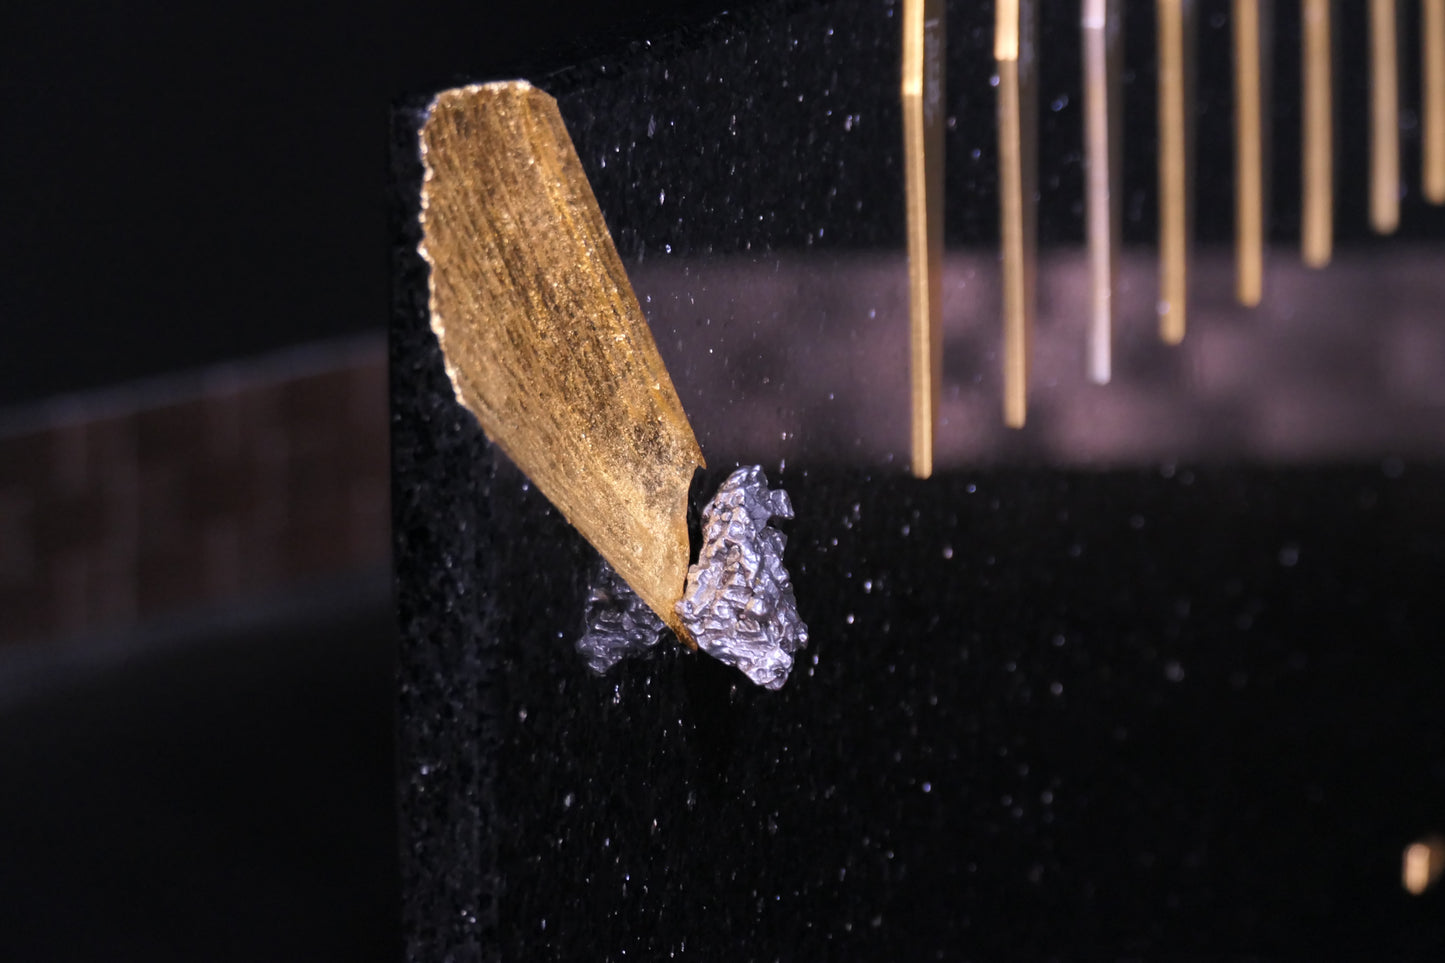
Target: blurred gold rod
x,y
1384,118
1248,152
1013,49
1317,177
1432,41
1423,864
1102,22
922,93
1174,173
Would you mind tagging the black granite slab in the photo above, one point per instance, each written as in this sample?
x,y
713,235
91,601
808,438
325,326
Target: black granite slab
x,y
1052,708
1042,713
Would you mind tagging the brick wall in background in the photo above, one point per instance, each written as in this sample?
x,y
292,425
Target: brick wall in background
x,y
133,503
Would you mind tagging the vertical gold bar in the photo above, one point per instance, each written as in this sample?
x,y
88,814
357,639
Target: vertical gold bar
x,y
922,92
1432,79
1102,24
1018,172
1384,118
1249,140
1318,175
1175,40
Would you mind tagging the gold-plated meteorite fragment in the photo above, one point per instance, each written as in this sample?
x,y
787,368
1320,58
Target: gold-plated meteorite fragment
x,y
543,338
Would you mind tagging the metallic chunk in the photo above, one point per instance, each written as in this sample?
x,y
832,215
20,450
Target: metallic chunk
x,y
619,623
739,601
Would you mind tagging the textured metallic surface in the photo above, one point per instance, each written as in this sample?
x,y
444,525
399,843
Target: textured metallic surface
x,y
543,337
619,623
739,602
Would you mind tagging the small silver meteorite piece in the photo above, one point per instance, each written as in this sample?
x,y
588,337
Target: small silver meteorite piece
x,y
619,623
739,601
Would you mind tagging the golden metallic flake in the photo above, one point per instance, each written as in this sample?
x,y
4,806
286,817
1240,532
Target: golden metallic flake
x,y
543,337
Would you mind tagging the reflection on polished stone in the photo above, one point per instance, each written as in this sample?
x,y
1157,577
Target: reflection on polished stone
x,y
804,358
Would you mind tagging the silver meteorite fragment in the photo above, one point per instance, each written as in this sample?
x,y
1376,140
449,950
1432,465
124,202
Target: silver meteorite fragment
x,y
739,602
619,623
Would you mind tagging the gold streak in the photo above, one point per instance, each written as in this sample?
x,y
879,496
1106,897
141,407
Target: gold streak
x,y
1432,30
1017,159
1103,23
922,94
1249,174
1174,166
1384,118
1423,864
1318,176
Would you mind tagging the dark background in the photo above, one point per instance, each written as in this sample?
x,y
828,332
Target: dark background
x,y
181,187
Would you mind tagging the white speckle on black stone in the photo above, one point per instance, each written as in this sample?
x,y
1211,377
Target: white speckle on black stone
x,y
739,602
619,623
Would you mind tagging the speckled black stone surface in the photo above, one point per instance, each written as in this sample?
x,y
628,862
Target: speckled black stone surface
x,y
1063,714
1158,712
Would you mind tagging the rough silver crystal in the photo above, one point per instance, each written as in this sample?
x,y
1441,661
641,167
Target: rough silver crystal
x,y
739,601
619,623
